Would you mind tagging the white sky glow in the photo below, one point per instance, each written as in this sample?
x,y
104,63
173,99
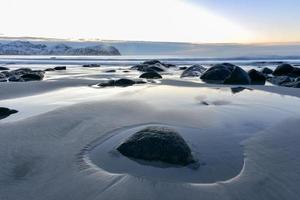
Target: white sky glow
x,y
143,20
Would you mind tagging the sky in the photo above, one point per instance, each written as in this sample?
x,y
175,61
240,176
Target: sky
x,y
195,21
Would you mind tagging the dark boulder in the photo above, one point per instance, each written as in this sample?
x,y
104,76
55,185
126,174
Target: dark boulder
x,y
111,71
169,65
157,62
283,70
152,62
235,90
5,112
123,82
226,73
20,71
183,68
91,65
150,68
4,68
151,75
266,71
295,73
238,76
257,78
193,71
15,78
60,68
2,75
280,80
157,144
49,70
294,84
216,74
37,76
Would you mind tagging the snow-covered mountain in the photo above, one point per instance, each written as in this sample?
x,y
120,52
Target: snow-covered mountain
x,y
28,48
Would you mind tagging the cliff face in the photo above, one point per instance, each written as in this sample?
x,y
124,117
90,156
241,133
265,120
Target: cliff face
x,y
28,48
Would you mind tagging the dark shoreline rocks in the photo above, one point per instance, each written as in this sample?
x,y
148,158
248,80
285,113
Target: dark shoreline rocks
x,y
22,75
156,143
5,112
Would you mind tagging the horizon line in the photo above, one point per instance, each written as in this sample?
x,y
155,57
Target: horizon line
x,y
142,41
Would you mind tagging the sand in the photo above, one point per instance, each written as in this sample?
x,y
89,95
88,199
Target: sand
x,y
61,143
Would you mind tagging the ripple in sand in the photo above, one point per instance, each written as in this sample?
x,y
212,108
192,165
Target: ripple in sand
x,y
219,158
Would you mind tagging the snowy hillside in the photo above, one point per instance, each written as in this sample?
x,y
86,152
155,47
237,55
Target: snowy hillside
x,y
28,48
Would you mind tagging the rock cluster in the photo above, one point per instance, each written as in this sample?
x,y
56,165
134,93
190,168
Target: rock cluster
x,y
286,75
21,75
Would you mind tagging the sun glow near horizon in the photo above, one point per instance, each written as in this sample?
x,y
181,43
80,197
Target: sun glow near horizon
x,y
143,20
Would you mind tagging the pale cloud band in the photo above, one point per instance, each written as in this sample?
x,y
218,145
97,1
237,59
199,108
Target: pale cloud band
x,y
155,20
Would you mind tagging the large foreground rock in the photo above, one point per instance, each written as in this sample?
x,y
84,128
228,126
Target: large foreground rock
x,y
5,112
193,71
157,144
226,73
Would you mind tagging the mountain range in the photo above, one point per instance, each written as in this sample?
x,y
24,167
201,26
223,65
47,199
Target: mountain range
x,y
29,48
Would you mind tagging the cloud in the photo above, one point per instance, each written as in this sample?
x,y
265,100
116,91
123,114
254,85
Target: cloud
x,y
155,20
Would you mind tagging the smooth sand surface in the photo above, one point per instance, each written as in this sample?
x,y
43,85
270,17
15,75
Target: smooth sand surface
x,y
61,143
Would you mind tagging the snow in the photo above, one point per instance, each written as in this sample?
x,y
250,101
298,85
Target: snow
x,y
28,48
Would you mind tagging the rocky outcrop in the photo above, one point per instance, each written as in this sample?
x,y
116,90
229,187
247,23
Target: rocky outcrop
x,y
157,144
